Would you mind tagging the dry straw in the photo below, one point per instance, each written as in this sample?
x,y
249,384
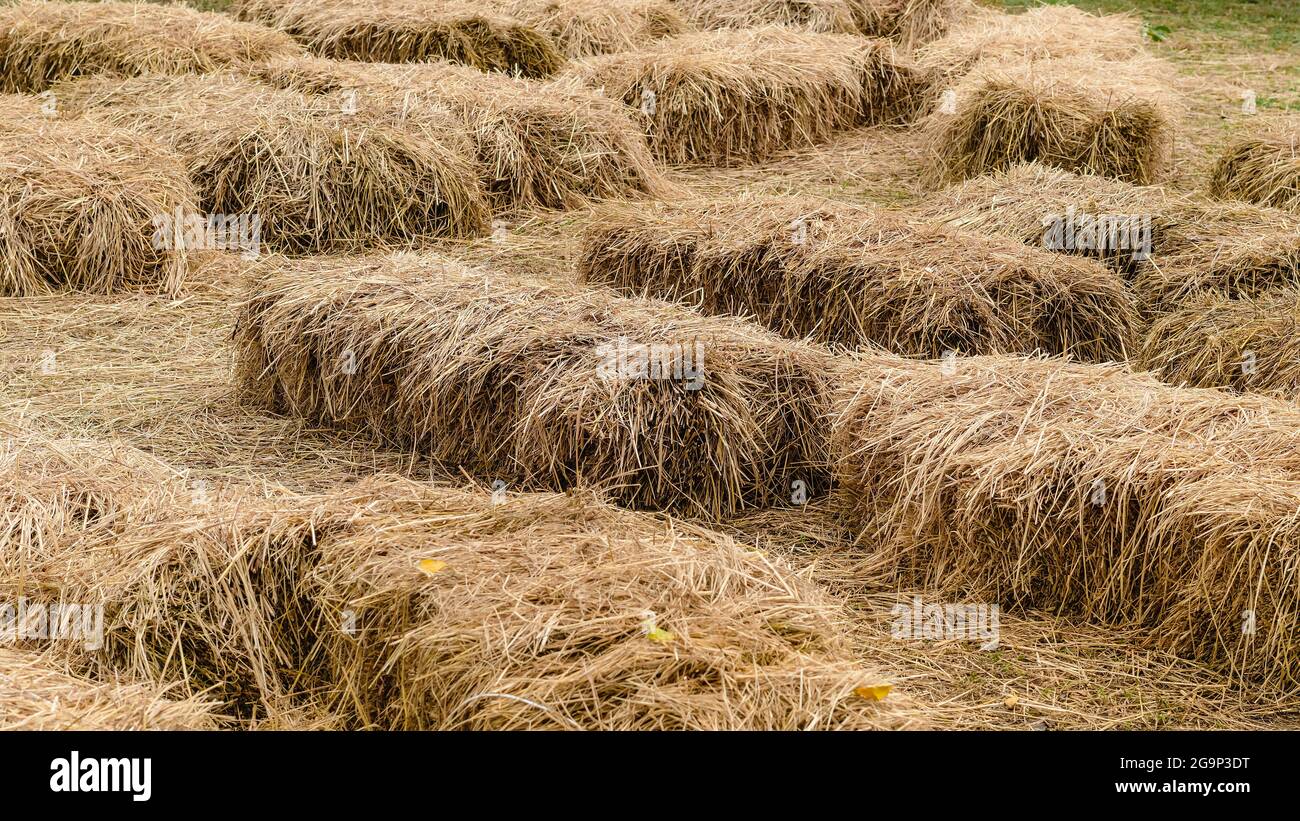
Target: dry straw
x,y
736,96
538,611
1044,33
319,178
537,144
858,276
909,23
78,204
583,28
1195,244
1246,344
1111,118
36,694
1262,167
1083,490
194,582
826,16
537,383
410,31
43,42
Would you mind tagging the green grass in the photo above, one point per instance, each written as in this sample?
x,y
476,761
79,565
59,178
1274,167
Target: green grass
x,y
1273,25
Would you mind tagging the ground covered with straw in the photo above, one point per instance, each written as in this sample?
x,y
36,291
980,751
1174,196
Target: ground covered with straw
x,y
634,364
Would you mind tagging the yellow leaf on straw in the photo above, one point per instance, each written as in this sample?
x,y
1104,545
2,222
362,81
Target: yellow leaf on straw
x,y
660,635
432,566
874,693
1011,700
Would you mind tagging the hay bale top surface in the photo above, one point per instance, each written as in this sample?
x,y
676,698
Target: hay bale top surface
x,y
587,615
827,16
42,42
37,694
582,28
1048,32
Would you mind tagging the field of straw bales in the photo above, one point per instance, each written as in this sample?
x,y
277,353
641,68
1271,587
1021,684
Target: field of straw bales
x,y
649,364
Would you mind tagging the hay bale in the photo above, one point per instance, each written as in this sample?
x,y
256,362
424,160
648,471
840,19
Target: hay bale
x,y
319,179
1211,340
38,695
860,277
43,42
583,28
537,144
545,611
910,23
1084,490
410,31
1115,119
78,205
1262,167
1195,244
728,97
1043,33
177,581
825,16
537,383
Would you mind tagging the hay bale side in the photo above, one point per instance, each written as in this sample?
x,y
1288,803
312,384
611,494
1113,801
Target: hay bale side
x,y
1263,167
584,28
1043,33
860,277
524,381
79,204
180,581
319,179
1084,490
410,31
536,144
1211,340
1116,119
910,23
44,42
36,694
541,611
824,16
736,96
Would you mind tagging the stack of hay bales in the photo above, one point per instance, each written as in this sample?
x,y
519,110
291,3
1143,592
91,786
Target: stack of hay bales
x,y
43,42
1076,113
1195,245
1084,490
37,695
537,144
1247,344
857,277
318,179
1262,167
910,23
559,612
583,28
411,31
736,96
547,385
79,204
